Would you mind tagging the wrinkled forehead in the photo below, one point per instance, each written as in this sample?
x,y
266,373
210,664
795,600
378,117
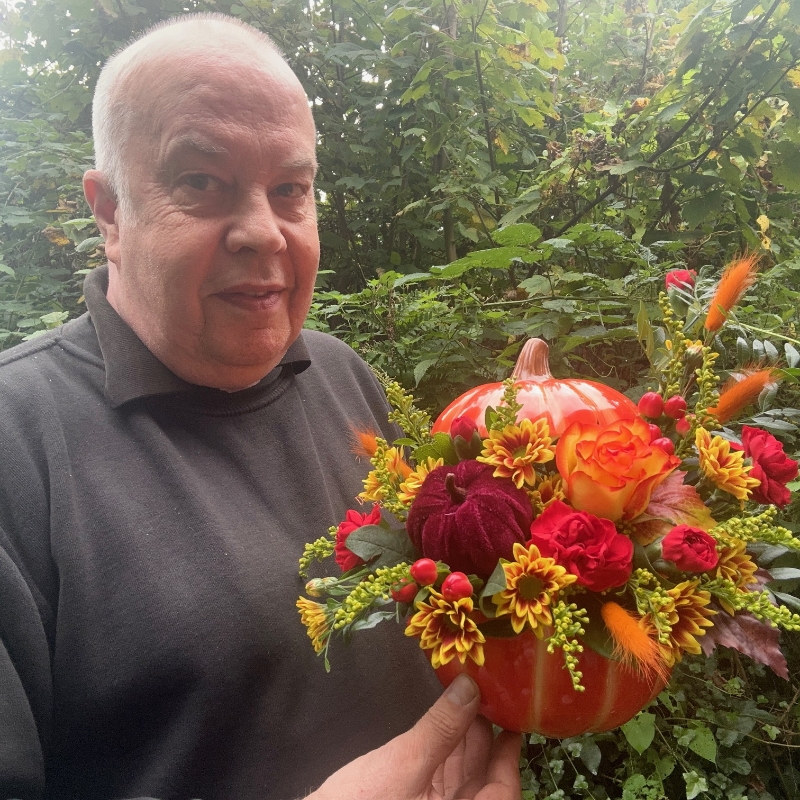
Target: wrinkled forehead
x,y
244,90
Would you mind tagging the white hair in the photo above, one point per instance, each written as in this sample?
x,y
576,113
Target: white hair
x,y
112,112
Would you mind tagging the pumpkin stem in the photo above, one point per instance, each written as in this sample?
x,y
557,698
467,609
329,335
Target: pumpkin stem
x,y
533,363
457,494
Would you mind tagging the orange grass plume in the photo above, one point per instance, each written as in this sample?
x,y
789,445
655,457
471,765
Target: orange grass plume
x,y
737,278
740,392
634,645
364,443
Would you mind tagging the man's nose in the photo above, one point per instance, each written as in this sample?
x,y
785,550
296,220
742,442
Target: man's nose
x,y
255,226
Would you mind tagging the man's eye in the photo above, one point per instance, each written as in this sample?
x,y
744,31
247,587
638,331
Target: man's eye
x,y
203,183
292,190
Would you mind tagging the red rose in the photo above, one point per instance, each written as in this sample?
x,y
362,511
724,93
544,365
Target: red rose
x,y
468,519
587,546
690,549
352,521
680,278
770,465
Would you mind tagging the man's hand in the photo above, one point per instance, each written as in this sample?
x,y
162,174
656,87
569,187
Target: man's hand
x,y
448,755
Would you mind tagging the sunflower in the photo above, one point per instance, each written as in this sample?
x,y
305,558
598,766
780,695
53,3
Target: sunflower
x,y
533,581
722,466
514,450
317,621
687,615
446,629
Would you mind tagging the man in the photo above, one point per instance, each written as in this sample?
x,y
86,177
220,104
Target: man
x,y
167,454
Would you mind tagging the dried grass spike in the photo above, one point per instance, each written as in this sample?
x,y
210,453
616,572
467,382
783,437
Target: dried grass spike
x,y
737,278
741,391
364,443
633,643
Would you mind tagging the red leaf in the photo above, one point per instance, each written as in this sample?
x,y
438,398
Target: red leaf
x,y
748,635
672,503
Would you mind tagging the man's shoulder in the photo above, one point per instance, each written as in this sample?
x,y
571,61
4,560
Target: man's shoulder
x,y
323,344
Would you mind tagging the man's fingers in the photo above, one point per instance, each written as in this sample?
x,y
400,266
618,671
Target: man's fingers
x,y
436,735
504,763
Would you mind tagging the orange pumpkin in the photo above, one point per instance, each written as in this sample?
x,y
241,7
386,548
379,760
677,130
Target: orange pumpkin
x,y
523,687
541,395
526,689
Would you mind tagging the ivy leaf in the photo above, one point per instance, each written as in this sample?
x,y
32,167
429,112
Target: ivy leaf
x,y
640,731
748,635
672,503
382,547
591,755
704,744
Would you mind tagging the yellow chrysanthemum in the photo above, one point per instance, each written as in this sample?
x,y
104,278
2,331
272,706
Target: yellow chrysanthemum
x,y
533,582
722,466
396,471
736,566
514,450
447,630
374,491
317,621
687,615
548,491
411,485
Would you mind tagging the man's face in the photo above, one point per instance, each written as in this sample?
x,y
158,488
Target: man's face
x,y
214,269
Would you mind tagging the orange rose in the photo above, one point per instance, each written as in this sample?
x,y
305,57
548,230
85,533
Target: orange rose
x,y
611,470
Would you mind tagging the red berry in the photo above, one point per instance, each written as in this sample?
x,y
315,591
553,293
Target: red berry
x,y
424,571
456,586
675,407
664,444
655,432
404,592
683,426
651,405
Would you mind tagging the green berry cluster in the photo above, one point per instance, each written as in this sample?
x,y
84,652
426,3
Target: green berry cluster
x,y
506,412
568,623
414,422
319,550
759,528
651,598
374,588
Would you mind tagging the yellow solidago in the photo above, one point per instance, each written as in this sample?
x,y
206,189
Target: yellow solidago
x,y
514,450
446,629
724,468
533,582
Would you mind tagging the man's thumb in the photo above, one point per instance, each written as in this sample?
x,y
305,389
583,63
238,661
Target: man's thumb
x,y
436,735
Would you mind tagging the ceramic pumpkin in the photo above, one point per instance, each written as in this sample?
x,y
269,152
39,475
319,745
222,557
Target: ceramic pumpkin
x,y
526,689
541,395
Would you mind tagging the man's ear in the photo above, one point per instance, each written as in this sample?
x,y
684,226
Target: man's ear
x,y
104,207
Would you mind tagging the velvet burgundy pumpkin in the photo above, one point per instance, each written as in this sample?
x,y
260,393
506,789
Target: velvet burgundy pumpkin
x,y
468,519
541,395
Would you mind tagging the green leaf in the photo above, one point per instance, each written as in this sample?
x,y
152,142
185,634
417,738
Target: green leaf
x,y
695,784
8,271
441,446
88,244
422,367
372,620
792,356
625,167
640,731
382,547
784,574
786,169
520,234
704,744
644,330
699,208
591,755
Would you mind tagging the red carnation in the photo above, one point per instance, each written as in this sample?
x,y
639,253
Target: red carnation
x,y
468,519
690,549
587,546
770,465
353,520
680,278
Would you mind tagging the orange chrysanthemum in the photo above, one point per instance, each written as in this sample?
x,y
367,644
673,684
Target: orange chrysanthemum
x,y
317,621
687,615
411,485
722,466
514,450
447,630
533,581
741,391
635,641
738,277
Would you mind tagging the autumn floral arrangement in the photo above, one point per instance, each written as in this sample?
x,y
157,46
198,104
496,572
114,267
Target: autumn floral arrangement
x,y
549,529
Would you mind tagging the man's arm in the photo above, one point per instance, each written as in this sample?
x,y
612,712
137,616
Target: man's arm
x,y
448,755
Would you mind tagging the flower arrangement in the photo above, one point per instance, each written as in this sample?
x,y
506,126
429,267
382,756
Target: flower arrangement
x,y
593,541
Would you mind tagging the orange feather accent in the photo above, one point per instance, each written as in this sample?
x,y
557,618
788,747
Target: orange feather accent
x,y
634,642
364,443
740,392
738,277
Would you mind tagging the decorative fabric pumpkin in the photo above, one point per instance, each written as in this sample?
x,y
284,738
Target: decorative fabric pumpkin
x,y
561,401
526,689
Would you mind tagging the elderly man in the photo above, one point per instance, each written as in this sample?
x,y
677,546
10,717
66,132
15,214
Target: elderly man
x,y
167,454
